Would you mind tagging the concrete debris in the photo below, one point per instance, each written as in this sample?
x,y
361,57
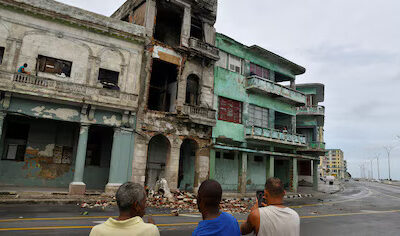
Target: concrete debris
x,y
99,204
187,202
162,185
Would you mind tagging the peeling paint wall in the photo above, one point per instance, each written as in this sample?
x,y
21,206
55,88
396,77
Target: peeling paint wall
x,y
227,172
256,173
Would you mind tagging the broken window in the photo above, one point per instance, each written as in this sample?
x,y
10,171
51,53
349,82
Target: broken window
x,y
163,86
259,71
192,90
196,29
16,139
109,79
230,110
54,66
1,54
235,64
258,116
168,23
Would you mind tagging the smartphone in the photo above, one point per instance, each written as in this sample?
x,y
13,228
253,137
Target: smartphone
x,y
260,198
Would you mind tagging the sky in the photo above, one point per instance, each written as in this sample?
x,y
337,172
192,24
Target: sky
x,y
351,46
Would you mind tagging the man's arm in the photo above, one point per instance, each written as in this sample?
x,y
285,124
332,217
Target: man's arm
x,y
252,224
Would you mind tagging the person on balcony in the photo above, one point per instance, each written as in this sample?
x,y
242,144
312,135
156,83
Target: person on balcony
x,y
21,69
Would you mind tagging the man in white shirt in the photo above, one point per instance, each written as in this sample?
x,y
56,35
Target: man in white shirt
x,y
274,219
131,201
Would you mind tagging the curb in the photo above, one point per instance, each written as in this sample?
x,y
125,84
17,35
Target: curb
x,y
45,201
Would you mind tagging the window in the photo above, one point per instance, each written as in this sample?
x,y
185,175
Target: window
x,y
223,60
15,141
230,110
258,116
1,55
229,155
192,90
54,66
309,100
196,29
235,64
259,71
109,79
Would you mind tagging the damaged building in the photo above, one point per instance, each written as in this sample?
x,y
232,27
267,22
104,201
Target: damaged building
x,y
256,134
69,120
310,123
175,115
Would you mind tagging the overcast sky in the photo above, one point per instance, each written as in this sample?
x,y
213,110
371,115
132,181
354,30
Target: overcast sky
x,y
352,46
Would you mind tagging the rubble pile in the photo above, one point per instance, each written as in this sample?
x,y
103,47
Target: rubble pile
x,y
98,204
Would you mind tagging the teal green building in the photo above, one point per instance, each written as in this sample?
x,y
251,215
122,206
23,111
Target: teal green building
x,y
256,132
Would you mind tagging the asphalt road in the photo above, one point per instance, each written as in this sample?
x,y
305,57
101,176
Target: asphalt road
x,y
363,208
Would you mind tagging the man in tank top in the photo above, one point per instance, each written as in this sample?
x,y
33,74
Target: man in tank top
x,y
274,219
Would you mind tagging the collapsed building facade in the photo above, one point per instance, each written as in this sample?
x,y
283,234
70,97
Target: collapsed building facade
x,y
256,136
175,116
69,120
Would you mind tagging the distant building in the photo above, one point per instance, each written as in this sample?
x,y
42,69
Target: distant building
x,y
333,163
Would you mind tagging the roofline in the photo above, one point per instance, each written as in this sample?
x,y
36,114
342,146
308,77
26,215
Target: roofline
x,y
294,68
320,89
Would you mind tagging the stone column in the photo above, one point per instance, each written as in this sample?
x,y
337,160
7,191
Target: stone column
x,y
172,166
315,174
119,164
294,175
139,160
77,187
242,172
270,167
293,84
212,164
186,24
202,167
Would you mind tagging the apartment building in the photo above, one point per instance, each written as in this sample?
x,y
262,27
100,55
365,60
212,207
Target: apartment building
x,y
335,164
69,120
255,136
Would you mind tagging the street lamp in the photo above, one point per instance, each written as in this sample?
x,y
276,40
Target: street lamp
x,y
377,162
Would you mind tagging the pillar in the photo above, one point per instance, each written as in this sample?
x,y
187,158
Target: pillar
x,y
293,84
293,125
186,24
77,187
139,160
2,117
120,156
315,174
202,167
242,172
270,167
172,166
294,175
212,164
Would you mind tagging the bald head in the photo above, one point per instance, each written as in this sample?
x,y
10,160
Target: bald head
x,y
210,195
275,187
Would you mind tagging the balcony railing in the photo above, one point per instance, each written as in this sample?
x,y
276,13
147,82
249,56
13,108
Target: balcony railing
x,y
204,48
39,86
272,135
200,115
261,85
311,110
316,145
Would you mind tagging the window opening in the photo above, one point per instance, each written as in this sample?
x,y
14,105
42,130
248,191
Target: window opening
x,y
54,66
258,116
196,29
258,159
192,90
230,110
235,64
229,155
99,146
259,71
163,86
16,139
168,23
109,79
1,54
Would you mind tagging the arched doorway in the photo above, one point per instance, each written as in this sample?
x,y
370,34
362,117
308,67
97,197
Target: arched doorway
x,y
187,165
157,156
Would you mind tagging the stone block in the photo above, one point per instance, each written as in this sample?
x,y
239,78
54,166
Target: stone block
x,y
77,188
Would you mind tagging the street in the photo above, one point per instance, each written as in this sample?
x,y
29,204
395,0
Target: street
x,y
363,208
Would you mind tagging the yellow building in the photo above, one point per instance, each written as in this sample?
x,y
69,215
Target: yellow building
x,y
333,164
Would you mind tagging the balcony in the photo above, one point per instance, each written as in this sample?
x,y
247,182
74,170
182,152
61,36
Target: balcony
x,y
276,136
200,115
311,110
67,91
314,147
208,4
204,48
260,85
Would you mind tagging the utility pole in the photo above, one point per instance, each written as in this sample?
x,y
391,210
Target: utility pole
x,y
388,150
372,173
377,162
